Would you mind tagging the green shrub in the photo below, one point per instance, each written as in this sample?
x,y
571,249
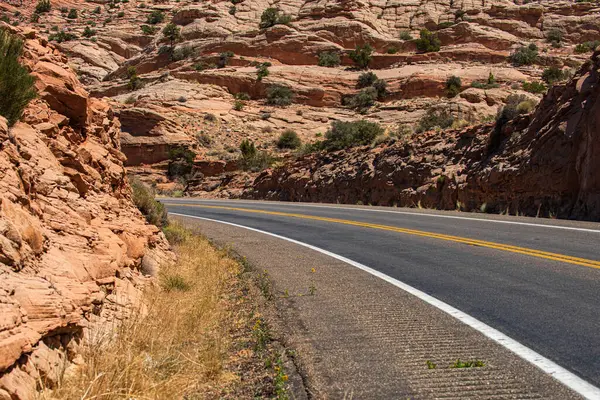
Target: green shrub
x,y
262,70
120,14
224,59
155,17
181,162
43,6
364,100
238,105
242,96
428,41
444,25
278,95
247,148
553,74
405,35
361,55
534,87
135,82
435,119
62,36
453,85
554,37
72,14
182,53
16,85
97,10
342,134
329,59
172,32
289,140
525,55
271,17
148,30
143,198
35,18
587,46
175,283
175,233
459,15
380,86
392,50
366,79
515,105
252,159
88,32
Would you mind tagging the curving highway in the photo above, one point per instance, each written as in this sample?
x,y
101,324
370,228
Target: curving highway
x,y
535,281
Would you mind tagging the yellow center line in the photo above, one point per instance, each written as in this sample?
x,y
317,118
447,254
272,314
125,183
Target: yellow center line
x,y
457,239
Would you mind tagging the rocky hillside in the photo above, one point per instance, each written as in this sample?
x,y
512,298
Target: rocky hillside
x,y
543,164
198,86
74,250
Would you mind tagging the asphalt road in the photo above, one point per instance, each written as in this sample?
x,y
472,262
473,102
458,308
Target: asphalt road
x,y
537,281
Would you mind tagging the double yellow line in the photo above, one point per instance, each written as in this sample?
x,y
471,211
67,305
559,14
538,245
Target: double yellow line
x,y
457,239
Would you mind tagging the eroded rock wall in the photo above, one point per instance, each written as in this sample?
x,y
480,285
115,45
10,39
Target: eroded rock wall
x,y
72,244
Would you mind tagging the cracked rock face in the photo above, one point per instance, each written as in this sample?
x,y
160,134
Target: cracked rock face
x,y
71,240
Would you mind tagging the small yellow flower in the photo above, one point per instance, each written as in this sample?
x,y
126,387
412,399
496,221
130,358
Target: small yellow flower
x,y
285,378
313,270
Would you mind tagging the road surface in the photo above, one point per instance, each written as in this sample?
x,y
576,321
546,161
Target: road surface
x,y
536,281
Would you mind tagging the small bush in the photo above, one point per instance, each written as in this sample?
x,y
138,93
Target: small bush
x,y
135,82
554,37
444,25
16,85
242,96
428,42
553,74
278,95
238,105
289,140
364,100
262,70
143,198
329,59
271,17
392,50
515,105
43,6
366,79
72,14
534,87
182,53
35,18
175,283
380,86
361,55
155,17
453,85
232,10
62,36
120,14
181,162
587,46
176,234
342,134
88,32
172,32
224,59
148,30
525,107
525,55
97,10
252,159
435,119
405,35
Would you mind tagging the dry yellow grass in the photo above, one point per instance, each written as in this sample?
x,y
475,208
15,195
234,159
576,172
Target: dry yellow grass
x,y
178,346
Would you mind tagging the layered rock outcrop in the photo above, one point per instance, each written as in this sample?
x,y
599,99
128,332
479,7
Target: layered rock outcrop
x,y
546,164
73,247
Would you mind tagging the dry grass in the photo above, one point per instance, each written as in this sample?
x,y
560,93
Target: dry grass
x,y
178,347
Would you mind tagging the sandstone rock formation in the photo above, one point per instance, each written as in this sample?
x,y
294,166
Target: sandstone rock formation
x,y
547,164
71,241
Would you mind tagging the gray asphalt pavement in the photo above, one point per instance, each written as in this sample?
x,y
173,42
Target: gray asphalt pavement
x,y
548,304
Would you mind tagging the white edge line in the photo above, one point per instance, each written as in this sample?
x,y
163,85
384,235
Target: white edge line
x,y
572,381
570,228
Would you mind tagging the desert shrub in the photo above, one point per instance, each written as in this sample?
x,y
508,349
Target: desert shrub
x,y
16,85
238,105
148,30
515,105
242,96
155,17
64,10
72,14
364,99
62,36
43,6
361,55
526,106
405,35
120,14
554,37
271,17
435,119
35,18
251,159
232,10
329,59
525,55
171,32
262,70
553,74
182,53
289,140
444,25
342,134
181,162
143,198
366,79
279,95
176,234
88,32
428,41
459,15
453,85
97,10
135,82
224,59
587,46
380,86
534,87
